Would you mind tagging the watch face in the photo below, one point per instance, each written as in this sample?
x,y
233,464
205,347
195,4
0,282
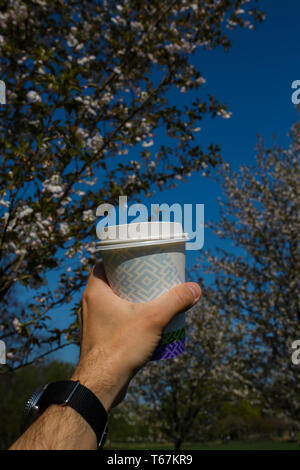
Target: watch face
x,y
31,411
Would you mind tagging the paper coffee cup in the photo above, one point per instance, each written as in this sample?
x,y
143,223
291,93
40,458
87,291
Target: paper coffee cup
x,y
142,261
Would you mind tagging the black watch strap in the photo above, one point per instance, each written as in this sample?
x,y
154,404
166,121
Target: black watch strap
x,y
82,400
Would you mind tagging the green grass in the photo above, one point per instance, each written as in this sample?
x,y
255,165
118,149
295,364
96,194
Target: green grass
x,y
234,445
247,445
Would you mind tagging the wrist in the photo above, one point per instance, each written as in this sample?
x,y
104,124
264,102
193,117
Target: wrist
x,y
105,380
103,392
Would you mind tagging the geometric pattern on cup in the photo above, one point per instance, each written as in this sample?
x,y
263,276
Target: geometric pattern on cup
x,y
172,336
142,278
141,275
168,351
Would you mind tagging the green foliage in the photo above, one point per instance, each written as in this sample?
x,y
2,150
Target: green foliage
x,y
15,389
124,429
231,445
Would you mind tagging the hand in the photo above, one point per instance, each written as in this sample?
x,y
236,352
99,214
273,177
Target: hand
x,y
118,337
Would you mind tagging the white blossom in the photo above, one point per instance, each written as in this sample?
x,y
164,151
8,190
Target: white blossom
x,y
91,182
152,58
63,228
200,80
148,144
33,97
25,211
85,60
22,60
17,325
89,104
117,70
136,26
42,3
79,47
224,114
4,203
66,201
71,40
107,98
117,20
82,133
70,253
89,215
95,143
131,178
53,184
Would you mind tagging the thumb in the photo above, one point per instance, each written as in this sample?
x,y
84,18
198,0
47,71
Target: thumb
x,y
176,300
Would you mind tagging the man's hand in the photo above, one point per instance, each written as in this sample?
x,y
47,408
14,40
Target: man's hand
x,y
118,337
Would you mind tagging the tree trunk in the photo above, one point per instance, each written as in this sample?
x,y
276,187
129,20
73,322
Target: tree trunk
x,y
178,443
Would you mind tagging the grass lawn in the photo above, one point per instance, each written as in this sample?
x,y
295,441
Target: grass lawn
x,y
234,445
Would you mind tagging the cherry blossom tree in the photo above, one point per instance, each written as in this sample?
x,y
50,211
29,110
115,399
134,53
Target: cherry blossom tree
x,y
89,85
257,283
180,398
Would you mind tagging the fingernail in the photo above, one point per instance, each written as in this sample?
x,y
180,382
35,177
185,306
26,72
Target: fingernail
x,y
195,289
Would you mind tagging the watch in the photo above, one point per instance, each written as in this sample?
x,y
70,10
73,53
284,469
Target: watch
x,y
68,393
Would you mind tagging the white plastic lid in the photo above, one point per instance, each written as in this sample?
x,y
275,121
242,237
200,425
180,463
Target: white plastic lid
x,y
140,234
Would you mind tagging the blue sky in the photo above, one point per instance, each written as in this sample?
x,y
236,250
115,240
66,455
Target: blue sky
x,y
254,79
